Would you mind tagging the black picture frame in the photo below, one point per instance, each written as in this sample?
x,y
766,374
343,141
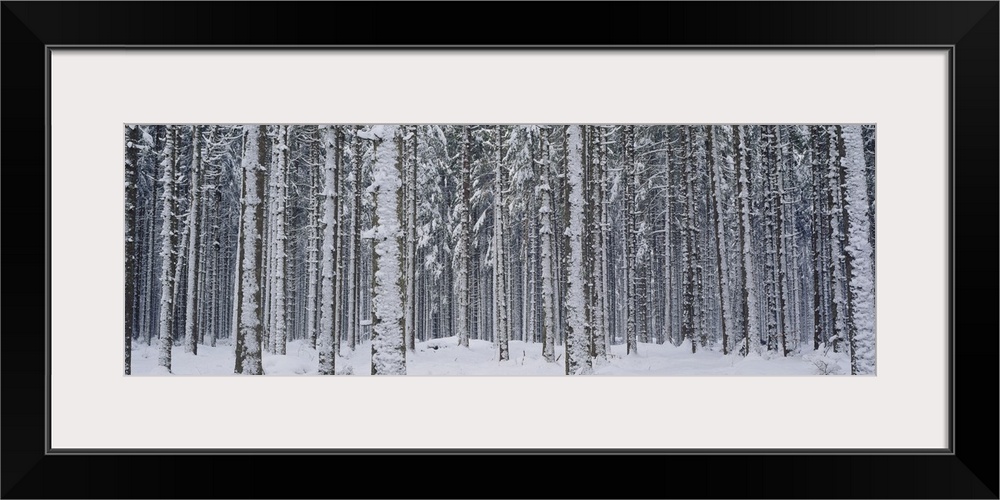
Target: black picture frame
x,y
968,469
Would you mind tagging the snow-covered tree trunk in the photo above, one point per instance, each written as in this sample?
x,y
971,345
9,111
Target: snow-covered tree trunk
x,y
599,328
605,334
180,255
149,319
688,226
133,136
795,285
205,254
312,231
338,247
500,331
191,321
219,296
859,257
816,243
836,225
781,253
549,320
237,290
271,197
643,258
326,338
529,292
279,333
564,239
668,276
268,252
462,254
750,324
523,294
411,246
354,326
169,239
722,264
631,344
577,356
250,318
590,238
700,220
293,263
388,346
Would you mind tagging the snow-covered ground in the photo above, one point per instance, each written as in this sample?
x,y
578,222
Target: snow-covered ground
x,y
445,357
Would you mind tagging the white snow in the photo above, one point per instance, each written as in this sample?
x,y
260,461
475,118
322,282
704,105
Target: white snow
x,y
444,357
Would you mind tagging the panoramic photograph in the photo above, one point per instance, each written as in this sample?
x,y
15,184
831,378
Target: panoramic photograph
x,y
499,249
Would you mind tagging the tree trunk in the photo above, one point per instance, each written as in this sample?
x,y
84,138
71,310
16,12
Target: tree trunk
x,y
577,358
859,257
411,247
388,346
250,318
312,257
549,321
355,310
327,333
722,265
462,256
751,334
132,146
837,236
631,344
167,250
191,320
500,332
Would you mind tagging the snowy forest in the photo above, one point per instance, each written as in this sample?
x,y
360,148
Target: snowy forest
x,y
499,249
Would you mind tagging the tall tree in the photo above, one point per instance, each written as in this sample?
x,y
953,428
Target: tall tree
x,y
314,239
133,136
816,240
549,283
690,228
354,327
388,346
859,256
462,252
835,225
751,334
410,320
167,249
597,256
630,271
577,355
190,322
149,318
328,310
722,264
500,332
250,320
338,247
668,241
278,255
776,156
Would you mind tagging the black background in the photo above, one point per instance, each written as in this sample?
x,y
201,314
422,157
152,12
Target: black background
x,y
971,472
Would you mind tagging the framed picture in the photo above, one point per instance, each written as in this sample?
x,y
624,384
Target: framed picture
x,y
903,93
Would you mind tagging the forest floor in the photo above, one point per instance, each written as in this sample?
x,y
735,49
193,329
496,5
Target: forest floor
x,y
444,357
